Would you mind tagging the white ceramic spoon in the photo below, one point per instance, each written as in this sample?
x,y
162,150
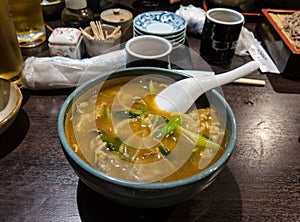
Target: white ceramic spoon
x,y
181,95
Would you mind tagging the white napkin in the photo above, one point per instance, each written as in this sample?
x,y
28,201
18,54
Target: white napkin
x,y
248,44
46,73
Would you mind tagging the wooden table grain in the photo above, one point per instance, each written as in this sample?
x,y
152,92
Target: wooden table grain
x,y
260,183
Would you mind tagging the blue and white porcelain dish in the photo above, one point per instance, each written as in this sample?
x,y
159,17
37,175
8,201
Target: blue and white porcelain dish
x,y
159,22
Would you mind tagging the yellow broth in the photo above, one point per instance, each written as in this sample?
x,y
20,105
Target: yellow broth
x,y
104,110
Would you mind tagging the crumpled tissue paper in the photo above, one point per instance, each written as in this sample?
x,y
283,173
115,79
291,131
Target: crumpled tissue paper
x,y
194,16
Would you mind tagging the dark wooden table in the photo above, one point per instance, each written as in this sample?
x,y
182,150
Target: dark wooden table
x,y
260,183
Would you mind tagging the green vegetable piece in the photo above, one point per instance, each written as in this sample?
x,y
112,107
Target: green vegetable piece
x,y
200,140
117,141
143,109
127,114
110,145
169,127
165,151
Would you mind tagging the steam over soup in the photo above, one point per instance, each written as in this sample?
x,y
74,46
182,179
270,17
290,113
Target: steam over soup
x,y
118,129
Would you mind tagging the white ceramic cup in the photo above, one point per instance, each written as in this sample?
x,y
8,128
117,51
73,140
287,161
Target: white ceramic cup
x,y
148,50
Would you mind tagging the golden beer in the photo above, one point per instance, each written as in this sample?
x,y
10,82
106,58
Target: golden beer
x,y
29,22
11,61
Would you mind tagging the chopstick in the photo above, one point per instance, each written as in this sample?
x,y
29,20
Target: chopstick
x,y
247,81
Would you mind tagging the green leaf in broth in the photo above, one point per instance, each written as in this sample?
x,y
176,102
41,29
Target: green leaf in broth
x,y
168,127
110,145
165,151
124,114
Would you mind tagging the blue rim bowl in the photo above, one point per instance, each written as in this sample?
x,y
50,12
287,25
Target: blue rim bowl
x,y
147,195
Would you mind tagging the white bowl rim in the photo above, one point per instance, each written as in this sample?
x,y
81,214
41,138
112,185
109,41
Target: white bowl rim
x,y
238,14
143,38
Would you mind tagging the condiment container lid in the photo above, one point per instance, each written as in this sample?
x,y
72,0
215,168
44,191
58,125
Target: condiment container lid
x,y
116,15
76,4
65,36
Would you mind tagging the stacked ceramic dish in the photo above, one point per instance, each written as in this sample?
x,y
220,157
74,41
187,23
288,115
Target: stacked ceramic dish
x,y
161,23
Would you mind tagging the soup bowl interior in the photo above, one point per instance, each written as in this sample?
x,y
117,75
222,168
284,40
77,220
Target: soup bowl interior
x,y
154,194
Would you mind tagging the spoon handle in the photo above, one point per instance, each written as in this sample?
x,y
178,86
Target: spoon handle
x,y
237,73
212,81
181,95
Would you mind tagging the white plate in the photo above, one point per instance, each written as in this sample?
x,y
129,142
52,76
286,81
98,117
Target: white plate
x,y
175,36
175,43
178,44
179,39
138,32
159,22
169,37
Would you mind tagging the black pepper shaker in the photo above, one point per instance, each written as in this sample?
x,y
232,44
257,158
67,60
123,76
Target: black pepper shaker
x,y
76,14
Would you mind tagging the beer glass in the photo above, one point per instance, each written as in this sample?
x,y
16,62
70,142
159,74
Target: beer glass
x,y
11,61
29,22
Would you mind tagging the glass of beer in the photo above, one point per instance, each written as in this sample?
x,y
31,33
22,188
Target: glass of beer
x,y
29,22
11,61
